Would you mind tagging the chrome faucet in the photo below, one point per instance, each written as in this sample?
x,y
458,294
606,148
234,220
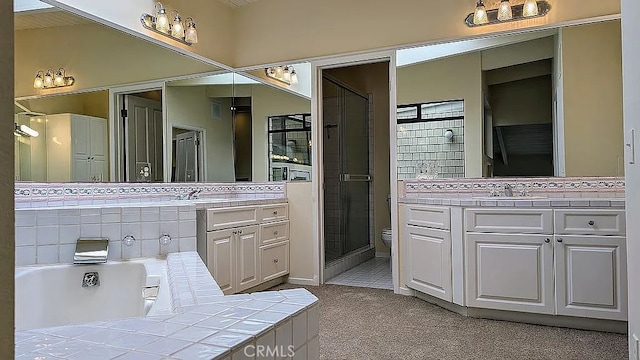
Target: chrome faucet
x,y
189,196
91,251
508,190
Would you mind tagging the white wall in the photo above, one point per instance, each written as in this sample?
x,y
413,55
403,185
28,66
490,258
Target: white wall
x,y
631,93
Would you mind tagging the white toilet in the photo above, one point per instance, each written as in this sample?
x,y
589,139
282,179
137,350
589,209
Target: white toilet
x,y
386,232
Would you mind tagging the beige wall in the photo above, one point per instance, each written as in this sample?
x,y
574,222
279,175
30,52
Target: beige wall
x,y
592,70
454,78
96,56
7,239
356,25
190,106
522,102
374,79
268,101
91,103
303,267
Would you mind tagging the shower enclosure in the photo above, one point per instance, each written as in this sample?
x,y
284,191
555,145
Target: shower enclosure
x,y
346,170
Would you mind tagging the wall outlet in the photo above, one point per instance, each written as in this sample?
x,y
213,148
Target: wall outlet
x,y
635,347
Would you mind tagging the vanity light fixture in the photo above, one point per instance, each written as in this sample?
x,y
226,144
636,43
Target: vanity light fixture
x,y
285,74
52,80
24,130
175,29
505,12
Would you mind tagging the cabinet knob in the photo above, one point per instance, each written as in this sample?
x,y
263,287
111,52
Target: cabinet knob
x,y
547,240
559,240
591,222
239,231
275,213
275,261
275,232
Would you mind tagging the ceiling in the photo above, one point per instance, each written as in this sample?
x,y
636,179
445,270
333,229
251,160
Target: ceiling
x,y
45,19
237,3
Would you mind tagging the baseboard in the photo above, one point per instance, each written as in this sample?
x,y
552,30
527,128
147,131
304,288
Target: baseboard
x,y
383,255
406,292
265,285
302,281
462,310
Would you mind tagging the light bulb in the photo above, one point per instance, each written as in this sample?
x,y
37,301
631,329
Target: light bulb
x,y
177,30
294,77
286,74
162,23
48,78
37,82
504,11
480,15
530,8
191,35
59,78
279,72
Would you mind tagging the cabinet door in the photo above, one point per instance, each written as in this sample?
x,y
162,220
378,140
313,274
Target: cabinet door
x,y
80,137
98,169
510,272
221,255
80,168
429,255
98,136
248,272
274,260
591,276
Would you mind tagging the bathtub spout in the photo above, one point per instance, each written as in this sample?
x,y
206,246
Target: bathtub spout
x,y
91,251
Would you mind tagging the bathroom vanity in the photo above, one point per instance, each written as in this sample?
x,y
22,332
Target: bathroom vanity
x,y
553,257
245,247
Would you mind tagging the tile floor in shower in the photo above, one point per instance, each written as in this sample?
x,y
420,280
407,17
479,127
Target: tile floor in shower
x,y
374,273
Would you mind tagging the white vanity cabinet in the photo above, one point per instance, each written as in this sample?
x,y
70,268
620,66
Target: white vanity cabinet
x,y
426,237
242,249
561,262
76,148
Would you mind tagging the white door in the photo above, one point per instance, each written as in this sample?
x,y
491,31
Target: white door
x,y
188,158
429,256
247,257
591,276
510,272
143,139
220,258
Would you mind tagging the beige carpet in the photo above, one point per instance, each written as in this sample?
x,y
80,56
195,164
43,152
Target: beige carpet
x,y
363,323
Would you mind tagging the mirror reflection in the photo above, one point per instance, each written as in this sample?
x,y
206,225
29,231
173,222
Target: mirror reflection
x,y
509,106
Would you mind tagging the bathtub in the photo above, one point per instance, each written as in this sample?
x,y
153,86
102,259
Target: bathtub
x,y
53,295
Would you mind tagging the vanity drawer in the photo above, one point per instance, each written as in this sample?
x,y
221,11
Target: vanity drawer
x,y
519,221
275,212
428,216
590,222
224,218
274,260
274,232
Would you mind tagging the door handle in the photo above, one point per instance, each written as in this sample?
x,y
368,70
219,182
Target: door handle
x,y
630,147
547,240
559,240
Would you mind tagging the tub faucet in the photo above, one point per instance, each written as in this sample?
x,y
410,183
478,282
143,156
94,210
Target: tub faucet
x,y
508,190
91,251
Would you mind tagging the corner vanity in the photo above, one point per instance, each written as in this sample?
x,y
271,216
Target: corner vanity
x,y
556,261
245,247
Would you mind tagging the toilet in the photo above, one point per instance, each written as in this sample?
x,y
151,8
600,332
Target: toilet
x,y
386,232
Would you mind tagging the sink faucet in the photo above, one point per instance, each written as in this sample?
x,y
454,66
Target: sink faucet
x,y
189,196
508,190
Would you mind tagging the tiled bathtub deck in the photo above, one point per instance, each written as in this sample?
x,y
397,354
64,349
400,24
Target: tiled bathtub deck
x,y
205,325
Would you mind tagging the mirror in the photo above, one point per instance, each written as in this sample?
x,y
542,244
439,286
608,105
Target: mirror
x,y
53,39
545,103
238,127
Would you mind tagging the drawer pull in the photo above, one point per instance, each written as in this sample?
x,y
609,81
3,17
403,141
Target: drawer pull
x,y
275,261
275,232
275,213
547,240
591,222
239,231
559,240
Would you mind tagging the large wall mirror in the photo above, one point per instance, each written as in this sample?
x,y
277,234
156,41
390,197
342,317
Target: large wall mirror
x,y
545,103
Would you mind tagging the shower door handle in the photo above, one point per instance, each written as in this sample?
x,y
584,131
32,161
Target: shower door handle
x,y
354,177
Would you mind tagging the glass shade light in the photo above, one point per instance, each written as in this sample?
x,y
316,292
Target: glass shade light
x,y
504,11
279,72
294,78
530,8
58,80
480,15
48,78
191,34
38,82
162,22
286,74
177,29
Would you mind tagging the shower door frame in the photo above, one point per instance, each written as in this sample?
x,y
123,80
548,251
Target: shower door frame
x,y
317,68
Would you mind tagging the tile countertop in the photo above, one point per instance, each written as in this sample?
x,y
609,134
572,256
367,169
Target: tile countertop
x,y
205,324
532,202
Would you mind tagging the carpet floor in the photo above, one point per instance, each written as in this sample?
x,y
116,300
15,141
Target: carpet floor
x,y
365,323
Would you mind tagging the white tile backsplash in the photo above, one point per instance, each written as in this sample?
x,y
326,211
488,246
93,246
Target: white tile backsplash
x,y
47,254
25,236
25,255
